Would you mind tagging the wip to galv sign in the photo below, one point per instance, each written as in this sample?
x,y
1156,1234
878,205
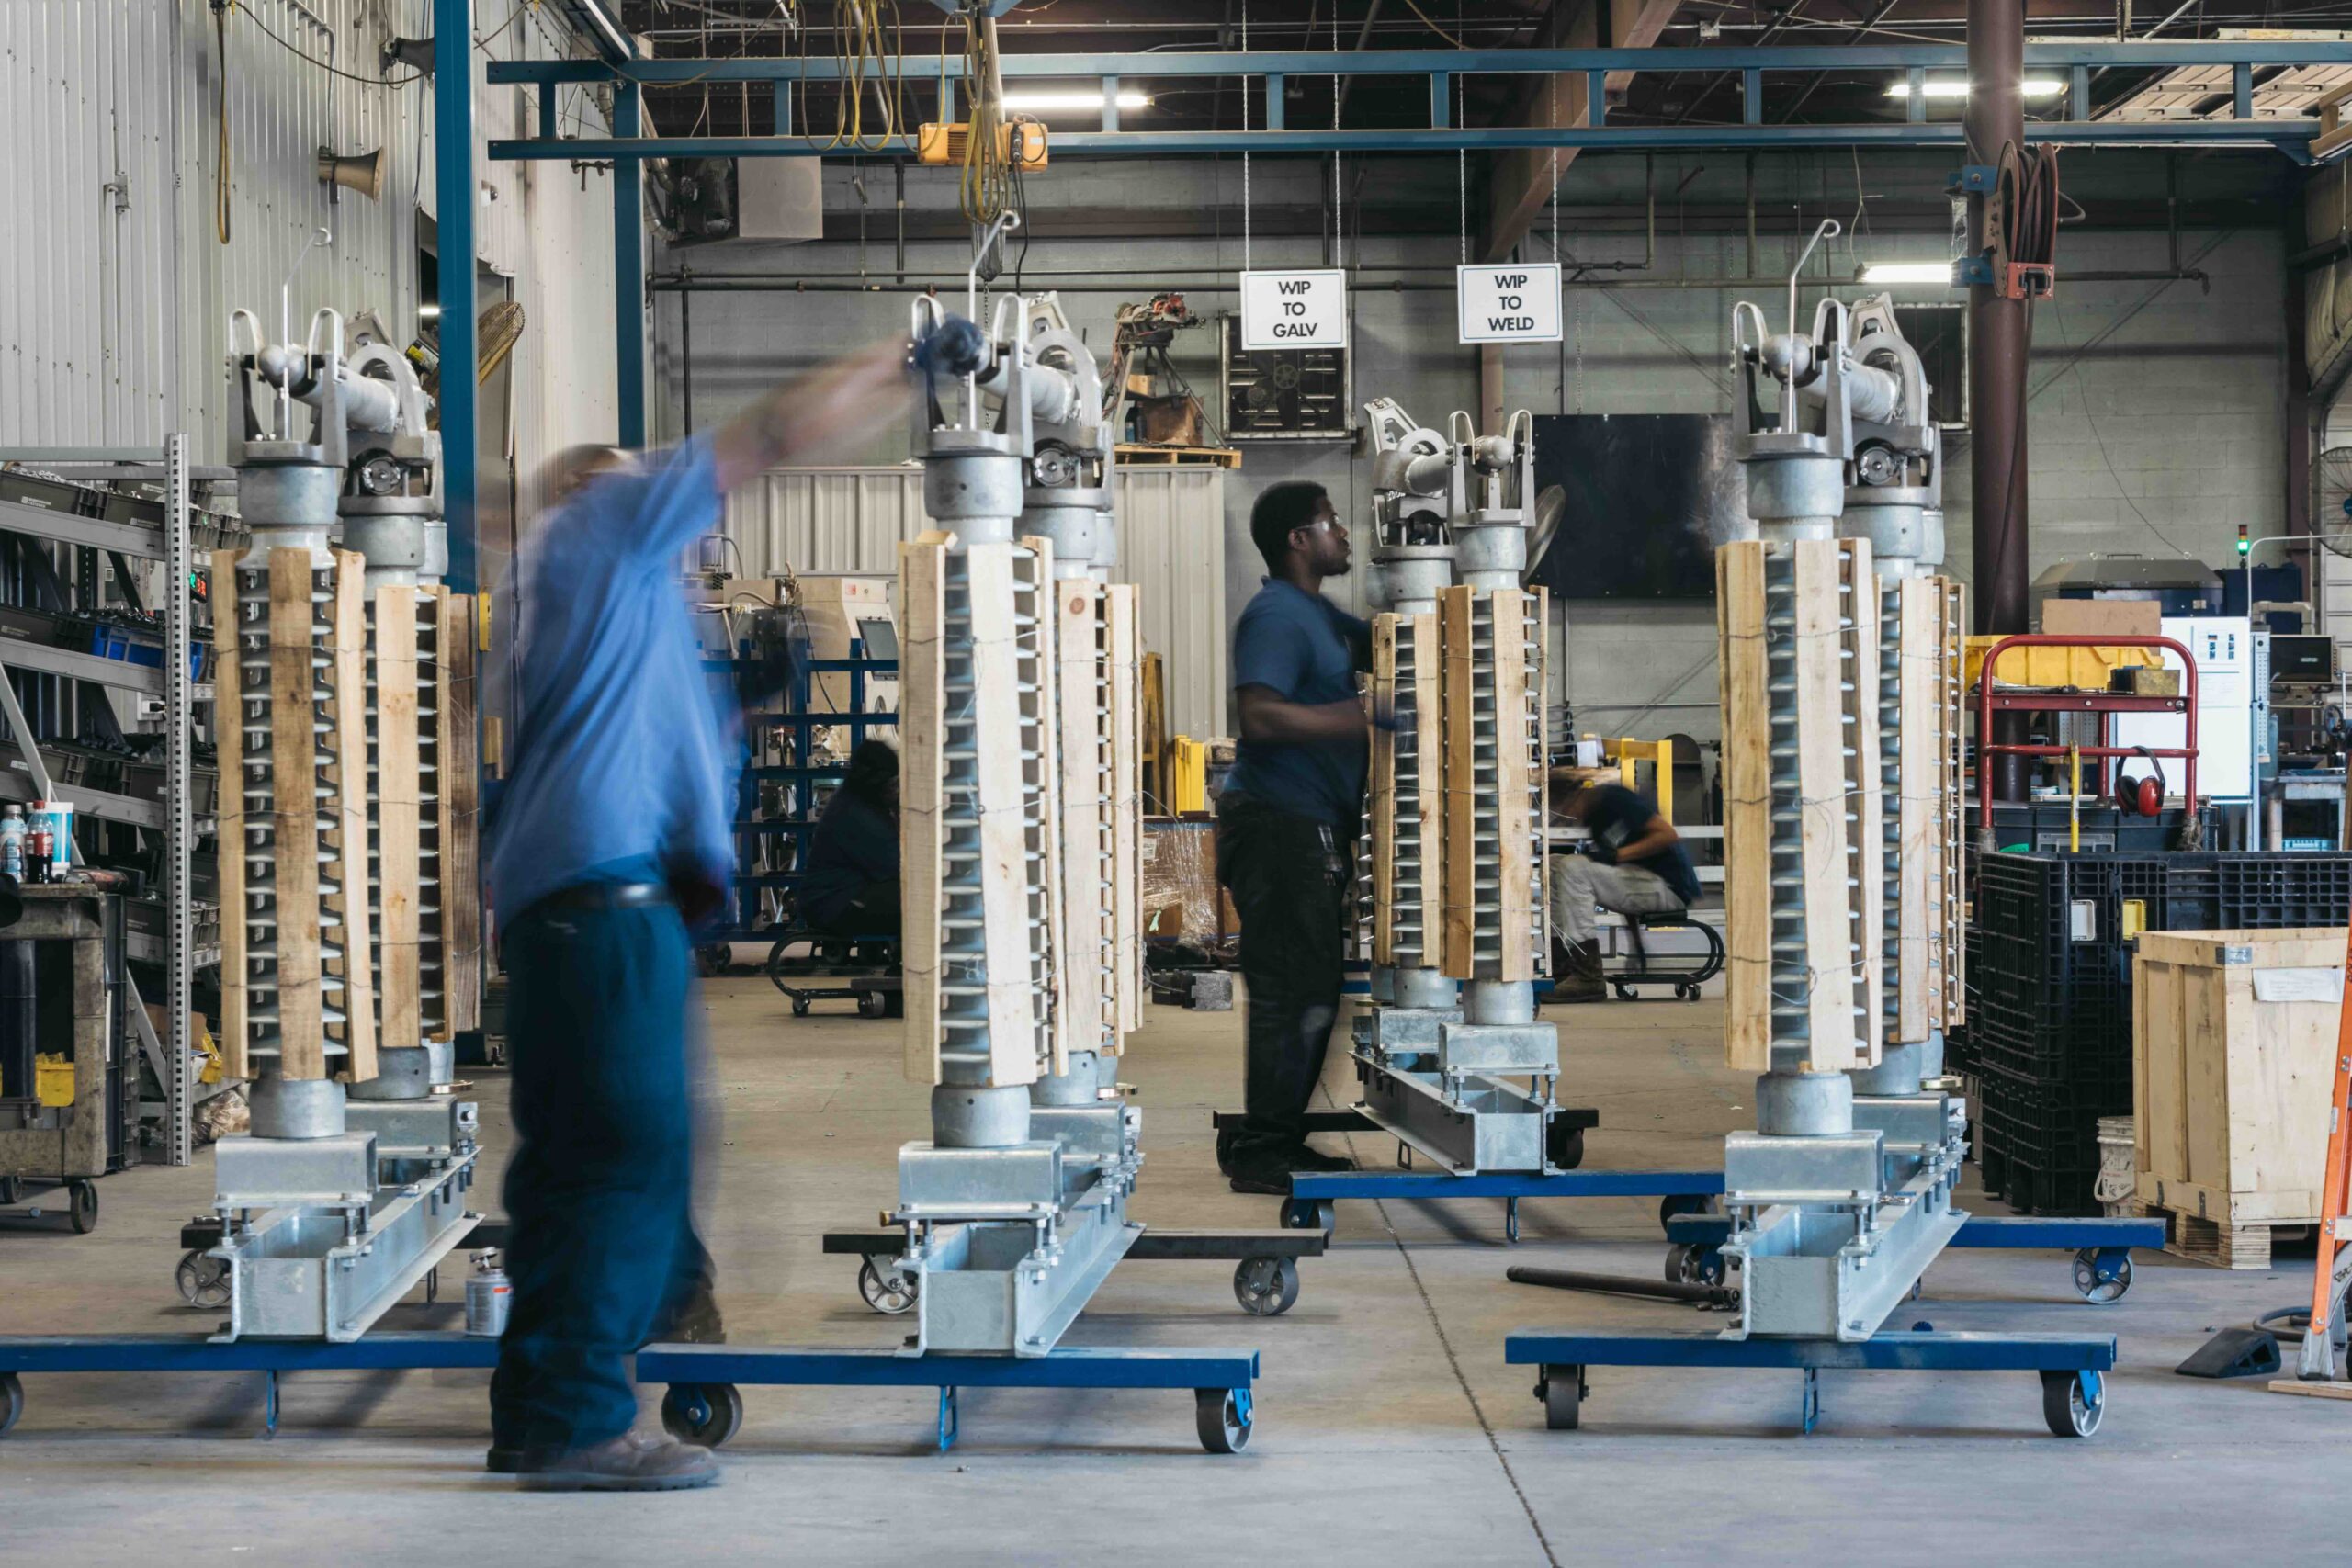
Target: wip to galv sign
x,y
1295,310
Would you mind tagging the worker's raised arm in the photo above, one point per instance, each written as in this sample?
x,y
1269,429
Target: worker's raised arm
x,y
813,414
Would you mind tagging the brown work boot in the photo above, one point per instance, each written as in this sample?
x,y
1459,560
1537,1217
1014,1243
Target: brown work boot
x,y
626,1463
1578,978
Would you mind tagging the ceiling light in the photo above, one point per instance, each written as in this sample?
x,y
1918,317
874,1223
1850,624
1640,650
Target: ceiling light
x,y
1957,88
1049,101
1906,272
595,13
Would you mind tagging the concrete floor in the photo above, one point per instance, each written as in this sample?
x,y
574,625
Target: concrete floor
x,y
1389,1430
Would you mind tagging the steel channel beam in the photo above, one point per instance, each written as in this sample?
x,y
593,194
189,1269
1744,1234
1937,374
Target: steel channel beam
x,y
1157,1243
2011,1231
1903,1350
1414,1109
1087,1366
2290,136
2052,55
1435,1185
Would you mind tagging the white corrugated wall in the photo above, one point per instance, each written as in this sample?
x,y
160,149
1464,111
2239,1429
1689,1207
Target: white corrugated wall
x,y
114,290
1171,546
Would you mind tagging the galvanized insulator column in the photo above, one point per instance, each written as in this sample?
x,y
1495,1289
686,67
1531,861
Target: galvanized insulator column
x,y
286,506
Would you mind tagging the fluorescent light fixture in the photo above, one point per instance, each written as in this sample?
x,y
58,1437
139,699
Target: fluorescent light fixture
x,y
429,312
1907,272
595,11
1957,88
1049,100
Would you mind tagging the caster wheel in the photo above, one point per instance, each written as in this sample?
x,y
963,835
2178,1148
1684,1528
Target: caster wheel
x,y
1694,1265
1225,1137
203,1281
1687,993
894,1004
1222,1417
886,1290
1266,1286
83,1197
2102,1286
12,1400
713,959
2072,1403
799,1008
1302,1214
705,1413
10,1192
1625,993
869,1004
1566,1145
1562,1391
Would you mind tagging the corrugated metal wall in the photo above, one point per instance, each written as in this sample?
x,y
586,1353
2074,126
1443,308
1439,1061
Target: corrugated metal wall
x,y
1171,546
115,290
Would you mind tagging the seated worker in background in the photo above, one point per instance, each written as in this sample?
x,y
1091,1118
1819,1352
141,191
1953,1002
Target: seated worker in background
x,y
851,887
1635,865
1287,823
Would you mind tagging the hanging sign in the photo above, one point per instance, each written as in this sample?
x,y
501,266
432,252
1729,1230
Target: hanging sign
x,y
1295,310
1508,304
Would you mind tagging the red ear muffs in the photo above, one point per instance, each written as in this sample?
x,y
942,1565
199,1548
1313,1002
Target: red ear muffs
x,y
2143,797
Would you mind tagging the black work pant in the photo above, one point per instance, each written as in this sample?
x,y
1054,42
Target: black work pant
x,y
1289,876
600,1239
873,910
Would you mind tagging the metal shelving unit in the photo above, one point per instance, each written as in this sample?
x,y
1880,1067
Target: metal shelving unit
x,y
799,724
173,1058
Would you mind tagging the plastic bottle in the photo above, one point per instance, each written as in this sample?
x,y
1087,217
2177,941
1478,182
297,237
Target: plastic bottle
x,y
12,843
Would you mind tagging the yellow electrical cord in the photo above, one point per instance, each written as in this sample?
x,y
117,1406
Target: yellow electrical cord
x,y
220,214
987,184
1432,27
864,38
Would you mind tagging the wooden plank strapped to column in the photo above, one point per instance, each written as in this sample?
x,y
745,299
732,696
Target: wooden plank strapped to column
x,y
1382,802
398,806
1429,762
1539,783
457,704
1954,694
1033,571
1822,788
1122,644
1457,953
347,713
229,834
923,716
998,734
1919,771
1518,869
1086,816
1742,660
294,814
1865,825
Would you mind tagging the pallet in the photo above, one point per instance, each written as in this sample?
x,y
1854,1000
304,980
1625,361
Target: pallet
x,y
1141,456
2242,1243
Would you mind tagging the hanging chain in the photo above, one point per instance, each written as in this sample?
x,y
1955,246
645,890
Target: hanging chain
x,y
1245,151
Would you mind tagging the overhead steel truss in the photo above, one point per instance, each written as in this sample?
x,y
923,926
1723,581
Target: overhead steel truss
x,y
1911,62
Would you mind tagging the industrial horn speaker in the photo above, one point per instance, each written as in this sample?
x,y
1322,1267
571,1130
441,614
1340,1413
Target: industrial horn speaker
x,y
362,172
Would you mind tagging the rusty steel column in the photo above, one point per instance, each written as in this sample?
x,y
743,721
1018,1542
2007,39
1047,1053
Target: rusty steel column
x,y
1997,361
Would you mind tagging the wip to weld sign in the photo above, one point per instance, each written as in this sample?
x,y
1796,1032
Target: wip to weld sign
x,y
1510,304
1295,310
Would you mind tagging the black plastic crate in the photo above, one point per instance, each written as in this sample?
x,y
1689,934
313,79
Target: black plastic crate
x,y
2282,891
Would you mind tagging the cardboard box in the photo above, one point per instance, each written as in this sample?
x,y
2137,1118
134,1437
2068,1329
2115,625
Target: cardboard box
x,y
2145,682
1183,901
2102,617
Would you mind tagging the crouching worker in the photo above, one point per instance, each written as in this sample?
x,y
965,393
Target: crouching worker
x,y
1635,865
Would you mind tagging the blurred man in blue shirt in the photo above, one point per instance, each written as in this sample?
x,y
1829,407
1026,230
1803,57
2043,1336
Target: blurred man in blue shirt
x,y
1287,820
610,837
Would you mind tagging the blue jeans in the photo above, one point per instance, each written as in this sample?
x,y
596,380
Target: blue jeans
x,y
599,1195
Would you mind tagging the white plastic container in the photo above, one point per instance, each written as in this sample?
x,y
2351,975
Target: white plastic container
x,y
12,842
2118,1174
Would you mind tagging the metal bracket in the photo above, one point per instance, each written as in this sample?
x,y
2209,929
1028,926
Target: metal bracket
x,y
1974,179
949,1421
1809,1400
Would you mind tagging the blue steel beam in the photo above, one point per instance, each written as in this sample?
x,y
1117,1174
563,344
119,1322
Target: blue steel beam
x,y
454,202
2057,1233
1068,1366
1462,62
2290,137
1892,1351
1434,1185
628,263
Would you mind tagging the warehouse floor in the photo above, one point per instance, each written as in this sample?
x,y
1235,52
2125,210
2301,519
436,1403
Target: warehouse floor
x,y
1389,1430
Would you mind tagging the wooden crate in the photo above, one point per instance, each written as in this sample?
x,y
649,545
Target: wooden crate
x,y
2233,1040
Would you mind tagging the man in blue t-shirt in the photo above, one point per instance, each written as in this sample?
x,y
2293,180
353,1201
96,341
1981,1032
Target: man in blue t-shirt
x,y
1287,820
1635,865
610,837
